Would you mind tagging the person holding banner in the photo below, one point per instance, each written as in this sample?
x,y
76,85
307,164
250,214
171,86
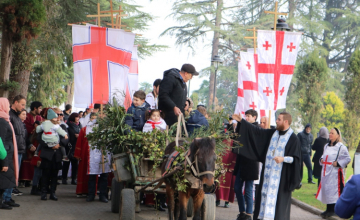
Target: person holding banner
x,y
279,151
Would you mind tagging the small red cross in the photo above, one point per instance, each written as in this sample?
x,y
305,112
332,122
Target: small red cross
x,y
267,45
282,91
326,163
267,91
291,47
248,65
253,106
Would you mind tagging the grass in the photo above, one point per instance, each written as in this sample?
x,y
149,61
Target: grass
x,y
307,191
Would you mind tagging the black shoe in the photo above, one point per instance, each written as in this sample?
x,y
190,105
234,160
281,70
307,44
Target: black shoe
x,y
4,206
16,192
35,191
311,182
53,197
164,205
43,196
246,217
330,214
160,208
103,199
324,214
217,203
90,198
64,182
11,203
73,182
240,216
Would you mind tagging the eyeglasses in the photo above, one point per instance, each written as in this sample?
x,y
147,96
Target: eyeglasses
x,y
60,114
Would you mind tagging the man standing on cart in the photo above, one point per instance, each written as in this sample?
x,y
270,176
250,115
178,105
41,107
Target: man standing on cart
x,y
173,90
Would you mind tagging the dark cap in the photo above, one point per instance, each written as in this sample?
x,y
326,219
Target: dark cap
x,y
189,69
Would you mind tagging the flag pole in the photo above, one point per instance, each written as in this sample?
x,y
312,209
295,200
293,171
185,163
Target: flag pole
x,y
269,118
102,149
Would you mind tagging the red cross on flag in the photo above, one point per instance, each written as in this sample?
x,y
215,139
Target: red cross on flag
x,y
248,69
277,53
101,59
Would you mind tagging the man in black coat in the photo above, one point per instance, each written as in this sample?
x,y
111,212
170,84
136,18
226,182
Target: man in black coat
x,y
306,138
173,90
18,104
246,171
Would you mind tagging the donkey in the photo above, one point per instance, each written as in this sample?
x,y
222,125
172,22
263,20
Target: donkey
x,y
202,150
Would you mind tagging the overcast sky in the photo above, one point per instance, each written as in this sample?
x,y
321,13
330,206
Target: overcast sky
x,y
152,68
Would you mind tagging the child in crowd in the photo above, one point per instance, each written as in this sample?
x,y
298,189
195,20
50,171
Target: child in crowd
x,y
51,131
154,119
197,120
137,111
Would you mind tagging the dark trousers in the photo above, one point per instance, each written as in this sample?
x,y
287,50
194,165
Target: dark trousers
x,y
306,159
102,181
49,178
74,169
330,207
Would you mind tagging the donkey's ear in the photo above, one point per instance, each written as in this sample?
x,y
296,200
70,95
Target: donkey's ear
x,y
197,141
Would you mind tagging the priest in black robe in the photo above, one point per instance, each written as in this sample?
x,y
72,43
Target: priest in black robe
x,y
279,151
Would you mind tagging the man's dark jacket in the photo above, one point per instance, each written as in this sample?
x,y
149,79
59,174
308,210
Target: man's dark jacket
x,y
19,131
249,169
66,116
305,141
172,93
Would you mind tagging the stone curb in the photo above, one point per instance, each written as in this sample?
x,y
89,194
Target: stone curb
x,y
310,208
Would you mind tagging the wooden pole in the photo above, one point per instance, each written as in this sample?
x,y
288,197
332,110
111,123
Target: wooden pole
x,y
253,37
276,14
269,118
99,15
102,149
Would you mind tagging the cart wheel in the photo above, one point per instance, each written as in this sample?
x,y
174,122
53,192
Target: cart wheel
x,y
208,208
190,207
127,205
116,188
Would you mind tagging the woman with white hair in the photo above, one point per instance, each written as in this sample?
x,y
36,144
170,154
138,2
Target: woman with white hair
x,y
334,159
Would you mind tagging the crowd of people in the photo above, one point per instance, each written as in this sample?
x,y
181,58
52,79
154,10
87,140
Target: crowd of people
x,y
268,166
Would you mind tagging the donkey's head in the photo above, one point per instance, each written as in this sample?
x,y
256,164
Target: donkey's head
x,y
203,158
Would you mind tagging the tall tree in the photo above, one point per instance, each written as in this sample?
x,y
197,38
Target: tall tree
x,y
352,99
332,114
21,19
311,75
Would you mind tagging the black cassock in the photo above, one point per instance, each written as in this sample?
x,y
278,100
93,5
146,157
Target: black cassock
x,y
255,143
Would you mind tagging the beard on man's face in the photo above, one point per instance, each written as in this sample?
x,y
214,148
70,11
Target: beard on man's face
x,y
280,127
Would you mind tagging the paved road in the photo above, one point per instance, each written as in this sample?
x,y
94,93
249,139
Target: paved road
x,y
71,208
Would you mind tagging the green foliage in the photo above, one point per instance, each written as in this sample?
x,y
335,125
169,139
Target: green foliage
x,y
22,18
352,99
10,85
311,74
332,114
195,98
146,87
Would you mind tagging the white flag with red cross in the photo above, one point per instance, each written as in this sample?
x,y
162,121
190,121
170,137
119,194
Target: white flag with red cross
x,y
239,109
133,78
101,59
277,54
248,69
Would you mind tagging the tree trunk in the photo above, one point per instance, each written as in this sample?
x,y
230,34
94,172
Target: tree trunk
x,y
70,92
6,57
215,50
292,8
22,77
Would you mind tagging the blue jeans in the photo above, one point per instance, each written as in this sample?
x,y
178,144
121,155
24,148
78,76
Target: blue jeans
x,y
7,195
37,176
248,194
20,156
307,161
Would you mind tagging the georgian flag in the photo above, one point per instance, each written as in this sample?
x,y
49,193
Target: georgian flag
x,y
277,54
248,69
239,108
101,59
133,78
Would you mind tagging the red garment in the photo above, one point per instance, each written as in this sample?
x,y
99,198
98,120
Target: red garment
x,y
82,152
226,191
29,122
27,165
153,123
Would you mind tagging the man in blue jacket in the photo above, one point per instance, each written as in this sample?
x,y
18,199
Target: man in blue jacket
x,y
197,120
306,139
